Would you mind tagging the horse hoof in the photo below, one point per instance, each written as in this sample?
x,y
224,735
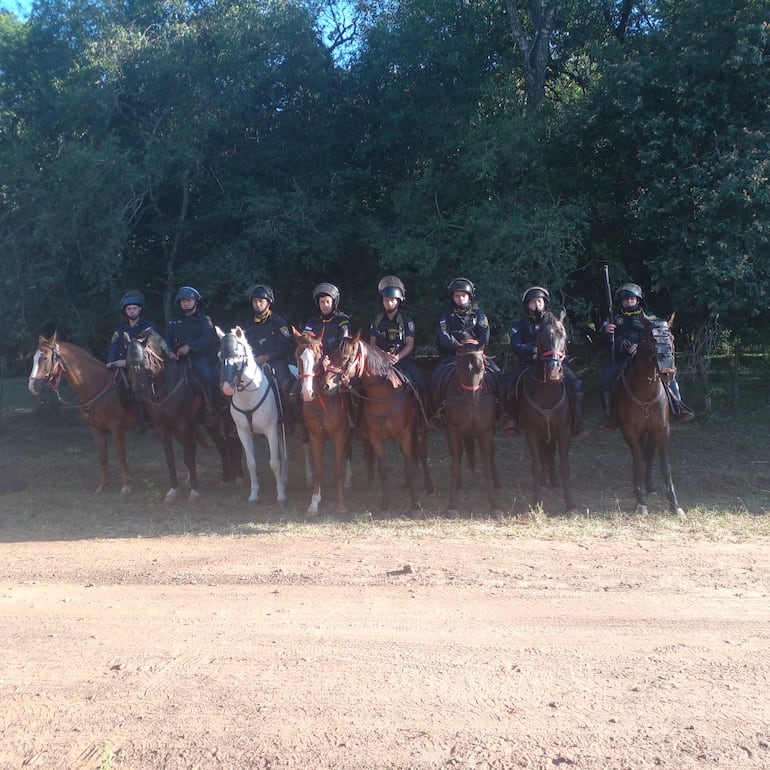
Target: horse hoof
x,y
99,489
311,515
680,514
497,514
171,496
125,490
453,513
194,495
253,501
641,510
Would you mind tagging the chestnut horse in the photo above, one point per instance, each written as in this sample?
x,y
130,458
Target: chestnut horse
x,y
643,409
391,411
175,406
468,405
96,387
326,416
544,412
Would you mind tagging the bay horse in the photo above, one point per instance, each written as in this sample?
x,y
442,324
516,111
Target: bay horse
x,y
175,408
326,416
643,409
545,415
96,387
468,405
254,408
390,411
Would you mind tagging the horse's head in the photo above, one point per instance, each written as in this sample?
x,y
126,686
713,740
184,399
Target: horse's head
x,y
470,365
551,343
309,355
344,364
657,345
47,366
235,356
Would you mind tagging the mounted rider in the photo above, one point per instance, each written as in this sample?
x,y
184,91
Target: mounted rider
x,y
269,336
534,302
624,332
393,331
331,324
133,325
192,337
461,322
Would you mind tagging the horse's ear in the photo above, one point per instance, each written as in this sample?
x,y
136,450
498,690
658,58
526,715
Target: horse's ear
x,y
671,318
562,315
357,337
296,334
126,337
238,332
41,339
53,339
219,332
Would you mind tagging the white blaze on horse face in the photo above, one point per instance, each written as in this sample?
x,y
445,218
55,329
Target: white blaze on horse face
x,y
32,384
306,381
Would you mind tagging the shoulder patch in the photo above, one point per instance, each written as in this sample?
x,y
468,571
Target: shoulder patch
x,y
285,331
483,323
410,326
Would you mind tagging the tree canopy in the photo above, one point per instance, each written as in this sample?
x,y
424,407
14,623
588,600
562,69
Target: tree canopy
x,y
148,144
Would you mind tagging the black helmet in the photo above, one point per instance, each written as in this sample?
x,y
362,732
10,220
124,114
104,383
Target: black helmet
x,y
629,290
392,286
461,284
131,297
261,291
187,292
535,292
330,290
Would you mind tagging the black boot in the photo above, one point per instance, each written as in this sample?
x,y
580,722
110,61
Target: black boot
x,y
608,420
287,408
509,425
679,410
579,429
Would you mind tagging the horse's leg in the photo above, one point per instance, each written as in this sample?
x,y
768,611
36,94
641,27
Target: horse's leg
x,y
409,443
665,469
422,448
247,442
369,459
377,447
649,446
187,439
119,437
455,444
538,472
348,481
340,457
564,442
221,445
276,461
637,462
168,450
316,450
487,449
100,441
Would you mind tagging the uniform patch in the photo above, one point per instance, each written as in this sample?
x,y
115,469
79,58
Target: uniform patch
x,y
483,323
410,327
285,331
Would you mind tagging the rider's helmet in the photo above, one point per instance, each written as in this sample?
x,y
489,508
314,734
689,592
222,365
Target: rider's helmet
x,y
188,292
629,290
261,291
392,286
535,292
131,297
330,290
461,284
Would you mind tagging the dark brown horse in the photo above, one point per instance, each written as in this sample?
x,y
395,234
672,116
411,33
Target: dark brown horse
x,y
99,400
468,405
391,411
326,416
175,407
643,409
544,412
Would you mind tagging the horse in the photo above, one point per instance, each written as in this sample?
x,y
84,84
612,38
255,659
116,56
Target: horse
x,y
642,408
544,412
254,407
326,416
468,405
96,387
391,410
175,406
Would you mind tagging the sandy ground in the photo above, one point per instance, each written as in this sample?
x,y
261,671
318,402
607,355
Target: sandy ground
x,y
303,651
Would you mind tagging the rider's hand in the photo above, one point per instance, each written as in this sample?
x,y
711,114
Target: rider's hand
x,y
183,350
394,359
609,328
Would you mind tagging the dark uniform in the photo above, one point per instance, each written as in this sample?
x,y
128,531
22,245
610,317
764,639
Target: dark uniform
x,y
457,326
392,335
118,344
269,335
523,345
629,325
333,327
196,330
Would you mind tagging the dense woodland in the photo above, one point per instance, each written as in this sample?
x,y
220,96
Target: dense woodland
x,y
148,144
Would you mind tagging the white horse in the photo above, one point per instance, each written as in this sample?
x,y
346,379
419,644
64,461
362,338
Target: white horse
x,y
254,407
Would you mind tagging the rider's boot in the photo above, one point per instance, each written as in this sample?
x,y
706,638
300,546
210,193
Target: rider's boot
x,y
287,408
579,428
679,410
608,421
509,425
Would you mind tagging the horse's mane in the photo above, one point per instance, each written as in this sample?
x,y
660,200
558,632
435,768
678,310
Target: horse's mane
x,y
309,340
156,343
377,362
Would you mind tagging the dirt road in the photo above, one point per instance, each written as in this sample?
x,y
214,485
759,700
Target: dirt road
x,y
281,651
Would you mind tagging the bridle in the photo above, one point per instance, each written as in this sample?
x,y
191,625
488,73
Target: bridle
x,y
476,353
150,363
